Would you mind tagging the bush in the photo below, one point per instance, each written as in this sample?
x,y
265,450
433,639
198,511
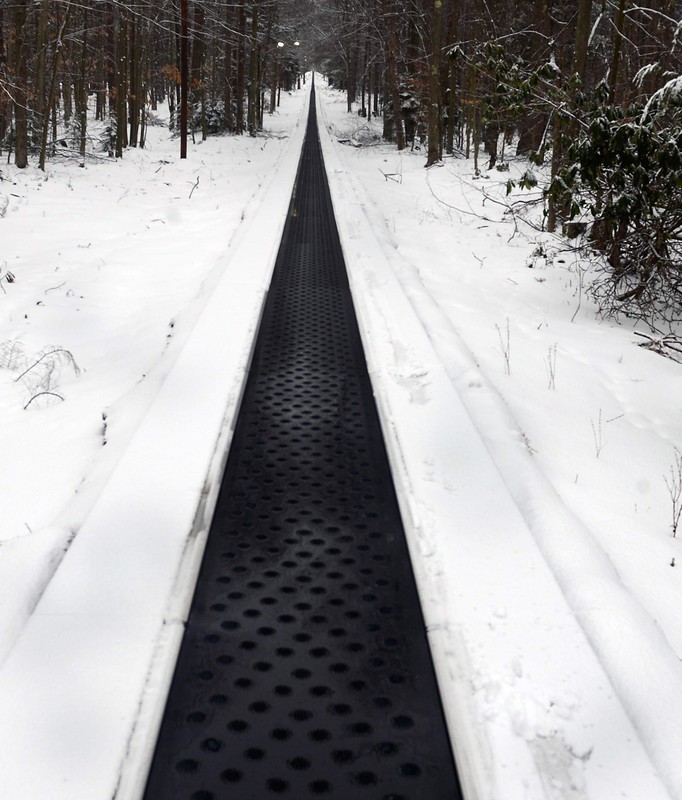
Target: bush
x,y
625,171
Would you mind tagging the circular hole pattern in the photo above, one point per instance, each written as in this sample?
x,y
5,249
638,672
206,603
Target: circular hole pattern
x,y
342,756
299,763
366,778
277,785
231,775
319,735
188,766
212,745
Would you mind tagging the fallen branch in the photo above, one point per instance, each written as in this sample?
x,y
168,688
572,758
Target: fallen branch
x,y
659,344
393,176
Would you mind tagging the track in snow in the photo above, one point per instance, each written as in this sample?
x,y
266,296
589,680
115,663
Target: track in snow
x,y
305,670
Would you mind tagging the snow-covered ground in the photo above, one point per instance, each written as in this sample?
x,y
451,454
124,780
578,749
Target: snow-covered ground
x,y
530,443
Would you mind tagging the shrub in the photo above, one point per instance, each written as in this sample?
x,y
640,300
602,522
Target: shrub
x,y
625,171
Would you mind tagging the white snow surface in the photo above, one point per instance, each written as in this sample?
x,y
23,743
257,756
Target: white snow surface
x,y
530,442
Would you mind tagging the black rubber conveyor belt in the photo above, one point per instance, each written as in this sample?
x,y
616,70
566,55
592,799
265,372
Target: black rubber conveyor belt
x,y
304,671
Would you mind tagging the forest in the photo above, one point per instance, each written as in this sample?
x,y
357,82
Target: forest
x,y
588,92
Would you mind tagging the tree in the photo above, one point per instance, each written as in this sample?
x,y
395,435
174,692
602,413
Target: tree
x,y
20,88
434,146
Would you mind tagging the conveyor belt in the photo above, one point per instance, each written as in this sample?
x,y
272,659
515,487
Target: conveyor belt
x,y
305,671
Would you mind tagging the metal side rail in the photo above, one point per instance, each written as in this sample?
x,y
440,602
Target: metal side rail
x,y
304,670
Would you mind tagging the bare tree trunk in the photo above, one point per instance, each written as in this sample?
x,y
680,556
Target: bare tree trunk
x,y
41,103
582,36
53,89
134,69
434,143
20,92
452,85
562,129
617,50
184,75
82,90
197,68
4,106
122,84
241,70
227,73
532,126
252,112
394,92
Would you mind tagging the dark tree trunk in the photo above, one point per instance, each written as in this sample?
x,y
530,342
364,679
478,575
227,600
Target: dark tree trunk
x,y
252,111
434,152
4,105
617,50
241,69
122,85
20,92
184,75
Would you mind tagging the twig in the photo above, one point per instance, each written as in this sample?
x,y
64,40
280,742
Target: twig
x,y
41,394
505,344
660,343
391,175
675,490
551,366
597,434
45,355
580,294
456,208
193,188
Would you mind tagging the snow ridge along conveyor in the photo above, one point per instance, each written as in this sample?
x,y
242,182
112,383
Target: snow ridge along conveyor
x,y
305,671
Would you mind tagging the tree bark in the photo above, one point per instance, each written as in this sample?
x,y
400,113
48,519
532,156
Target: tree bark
x,y
617,50
434,152
252,111
82,90
122,84
227,72
21,90
399,131
56,56
134,69
184,75
533,125
41,102
197,68
4,115
582,37
241,69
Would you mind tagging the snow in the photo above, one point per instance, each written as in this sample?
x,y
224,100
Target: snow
x,y
669,94
570,537
529,440
89,635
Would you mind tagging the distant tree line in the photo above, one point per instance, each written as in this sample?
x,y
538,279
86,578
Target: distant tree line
x,y
590,88
117,59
